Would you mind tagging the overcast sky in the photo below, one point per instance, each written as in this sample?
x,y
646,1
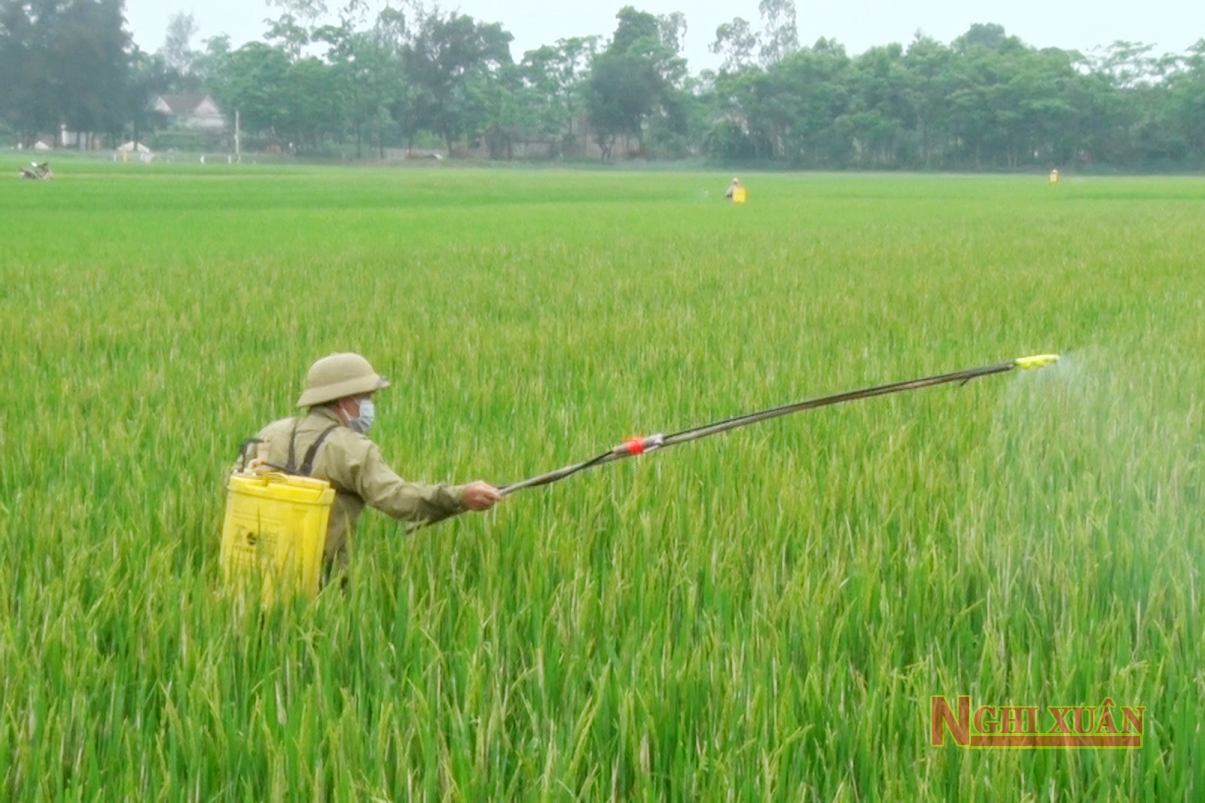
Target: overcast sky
x,y
1171,25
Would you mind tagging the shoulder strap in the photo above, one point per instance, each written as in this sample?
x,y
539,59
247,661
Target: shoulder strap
x,y
307,465
291,463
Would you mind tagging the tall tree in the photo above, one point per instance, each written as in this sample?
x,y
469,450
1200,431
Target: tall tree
x,y
148,76
1186,105
315,103
636,78
365,71
496,110
736,42
926,64
88,51
880,116
23,64
65,62
306,10
177,49
780,36
289,34
445,53
253,81
740,45
555,82
807,107
207,63
986,35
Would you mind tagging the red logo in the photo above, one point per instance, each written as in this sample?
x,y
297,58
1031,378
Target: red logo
x,y
1062,727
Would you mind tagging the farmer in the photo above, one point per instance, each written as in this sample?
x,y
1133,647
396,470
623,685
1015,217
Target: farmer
x,y
331,437
37,171
732,188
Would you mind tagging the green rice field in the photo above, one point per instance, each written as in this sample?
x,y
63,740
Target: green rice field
x,y
762,615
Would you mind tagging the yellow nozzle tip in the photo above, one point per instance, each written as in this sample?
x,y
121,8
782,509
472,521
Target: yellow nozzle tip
x,y
1036,361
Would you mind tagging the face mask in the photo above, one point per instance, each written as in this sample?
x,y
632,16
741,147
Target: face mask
x,y
363,422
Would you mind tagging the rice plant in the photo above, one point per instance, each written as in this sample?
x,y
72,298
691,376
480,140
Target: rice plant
x,y
761,615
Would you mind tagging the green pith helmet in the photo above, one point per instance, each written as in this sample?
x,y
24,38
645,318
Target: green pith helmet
x,y
337,376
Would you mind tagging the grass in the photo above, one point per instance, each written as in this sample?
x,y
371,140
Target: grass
x,y
762,615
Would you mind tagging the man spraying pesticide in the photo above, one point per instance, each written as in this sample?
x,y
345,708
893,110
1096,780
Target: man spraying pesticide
x,y
293,499
283,517
736,192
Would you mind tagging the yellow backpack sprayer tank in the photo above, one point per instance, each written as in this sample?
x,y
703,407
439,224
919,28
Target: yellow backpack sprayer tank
x,y
274,533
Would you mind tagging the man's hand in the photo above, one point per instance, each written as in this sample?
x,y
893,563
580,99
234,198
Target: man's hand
x,y
480,495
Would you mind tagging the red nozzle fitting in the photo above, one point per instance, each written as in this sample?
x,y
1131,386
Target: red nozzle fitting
x,y
635,446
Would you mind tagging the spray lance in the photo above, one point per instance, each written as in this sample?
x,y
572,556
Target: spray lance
x,y
650,443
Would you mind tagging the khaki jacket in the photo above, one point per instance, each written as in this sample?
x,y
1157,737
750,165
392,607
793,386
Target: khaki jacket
x,y
352,464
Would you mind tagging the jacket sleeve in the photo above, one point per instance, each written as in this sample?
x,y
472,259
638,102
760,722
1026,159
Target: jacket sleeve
x,y
379,486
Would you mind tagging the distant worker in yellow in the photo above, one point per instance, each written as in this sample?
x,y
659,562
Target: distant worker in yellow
x,y
736,191
1054,176
330,442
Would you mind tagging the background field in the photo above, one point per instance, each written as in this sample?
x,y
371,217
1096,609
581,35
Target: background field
x,y
762,615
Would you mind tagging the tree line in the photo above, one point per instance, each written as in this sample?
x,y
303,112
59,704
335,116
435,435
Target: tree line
x,y
416,74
